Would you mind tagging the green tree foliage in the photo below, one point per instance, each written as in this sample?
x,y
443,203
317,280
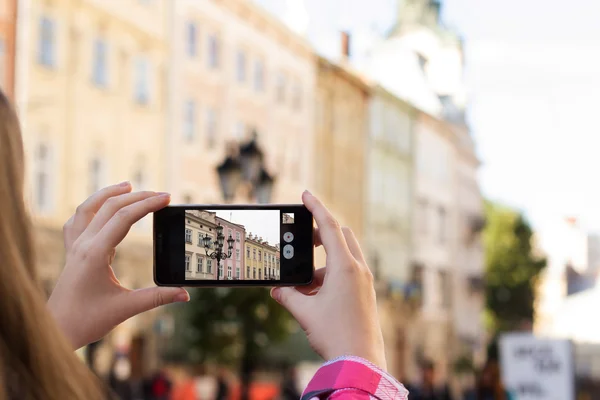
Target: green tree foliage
x,y
512,268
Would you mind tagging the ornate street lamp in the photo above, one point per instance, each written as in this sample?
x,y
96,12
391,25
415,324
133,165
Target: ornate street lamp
x,y
251,160
245,165
218,253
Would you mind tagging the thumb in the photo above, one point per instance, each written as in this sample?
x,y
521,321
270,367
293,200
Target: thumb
x,y
141,300
291,299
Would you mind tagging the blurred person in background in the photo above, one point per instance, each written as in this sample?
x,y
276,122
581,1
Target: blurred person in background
x,y
160,386
429,389
289,384
338,311
489,384
222,385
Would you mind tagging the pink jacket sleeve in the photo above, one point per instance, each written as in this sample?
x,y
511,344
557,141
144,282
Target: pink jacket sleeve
x,y
352,378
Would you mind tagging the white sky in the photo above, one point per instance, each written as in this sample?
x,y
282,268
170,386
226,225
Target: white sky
x,y
263,223
533,74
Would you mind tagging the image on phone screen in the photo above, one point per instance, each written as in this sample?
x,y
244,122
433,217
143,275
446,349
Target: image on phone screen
x,y
233,244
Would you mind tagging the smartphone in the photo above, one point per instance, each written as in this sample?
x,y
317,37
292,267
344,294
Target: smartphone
x,y
233,245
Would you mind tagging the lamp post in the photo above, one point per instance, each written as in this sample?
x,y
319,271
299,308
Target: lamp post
x,y
218,253
244,165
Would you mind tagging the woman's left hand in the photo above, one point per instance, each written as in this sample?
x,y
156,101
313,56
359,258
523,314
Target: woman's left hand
x,y
88,300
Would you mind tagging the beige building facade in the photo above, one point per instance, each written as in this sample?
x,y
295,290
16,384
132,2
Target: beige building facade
x,y
262,259
91,95
236,69
341,123
198,265
389,153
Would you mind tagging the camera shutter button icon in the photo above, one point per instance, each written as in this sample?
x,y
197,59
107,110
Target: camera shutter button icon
x,y
288,251
288,237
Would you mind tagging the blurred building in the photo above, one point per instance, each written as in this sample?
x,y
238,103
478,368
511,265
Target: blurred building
x,y
568,285
8,27
235,69
92,98
342,115
234,265
447,256
198,225
389,188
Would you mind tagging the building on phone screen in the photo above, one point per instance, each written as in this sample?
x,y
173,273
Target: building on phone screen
x,y
197,225
262,260
233,267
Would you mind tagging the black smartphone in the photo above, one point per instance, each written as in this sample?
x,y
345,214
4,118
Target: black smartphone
x,y
233,245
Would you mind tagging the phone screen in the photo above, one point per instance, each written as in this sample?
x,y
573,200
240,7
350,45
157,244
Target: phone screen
x,y
234,245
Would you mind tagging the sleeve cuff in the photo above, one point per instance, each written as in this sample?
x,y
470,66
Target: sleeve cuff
x,y
350,372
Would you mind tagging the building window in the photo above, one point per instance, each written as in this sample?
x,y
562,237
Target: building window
x,y
229,272
96,175
187,262
47,42
259,255
254,273
240,66
237,237
142,80
247,272
188,236
200,239
422,216
192,40
100,63
220,270
442,225
237,272
247,252
42,178
237,254
259,76
238,130
254,254
209,266
259,274
280,83
213,51
211,126
297,97
199,263
189,120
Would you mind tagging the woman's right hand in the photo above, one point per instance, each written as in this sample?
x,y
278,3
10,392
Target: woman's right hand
x,y
338,311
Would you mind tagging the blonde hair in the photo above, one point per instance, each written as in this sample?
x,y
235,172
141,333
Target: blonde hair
x,y
36,360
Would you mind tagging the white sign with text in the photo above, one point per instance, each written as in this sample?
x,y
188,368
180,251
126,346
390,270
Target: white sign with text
x,y
537,369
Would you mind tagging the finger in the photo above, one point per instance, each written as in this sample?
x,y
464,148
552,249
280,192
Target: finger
x,y
317,237
318,278
85,211
119,225
330,232
137,301
353,245
293,301
112,206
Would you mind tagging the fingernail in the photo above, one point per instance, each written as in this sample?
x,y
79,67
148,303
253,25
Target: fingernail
x,y
308,192
124,184
164,194
276,294
182,297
